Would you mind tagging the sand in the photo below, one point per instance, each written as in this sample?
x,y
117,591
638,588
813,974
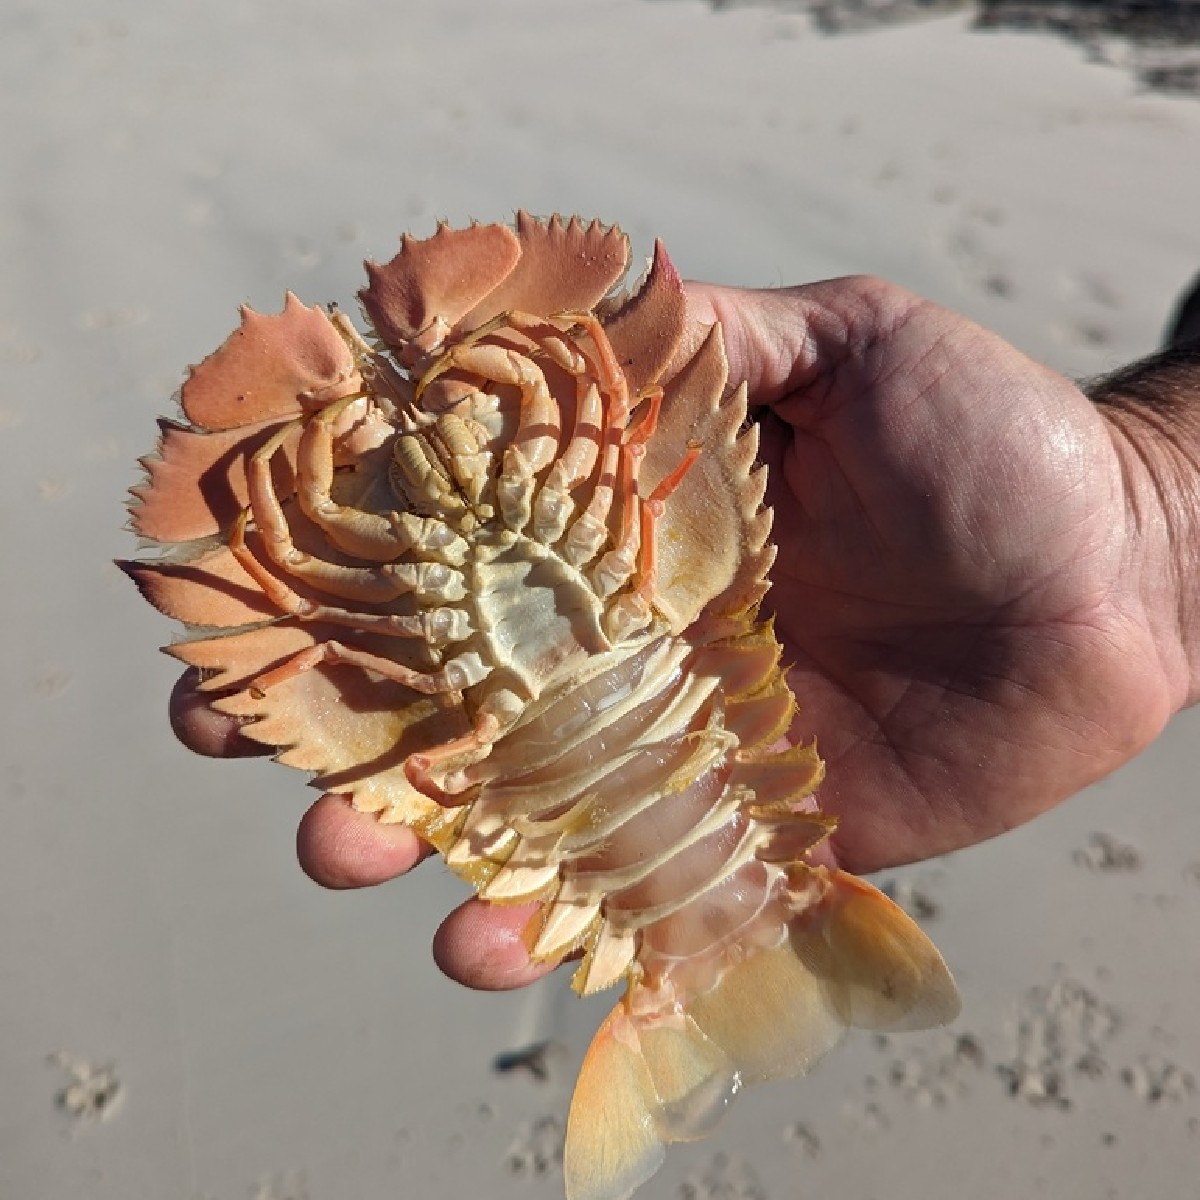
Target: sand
x,y
182,1014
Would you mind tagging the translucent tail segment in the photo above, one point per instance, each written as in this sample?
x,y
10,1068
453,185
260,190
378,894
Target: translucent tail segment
x,y
851,957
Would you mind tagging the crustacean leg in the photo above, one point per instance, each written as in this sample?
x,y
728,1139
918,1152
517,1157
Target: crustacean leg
x,y
616,568
429,581
455,676
437,626
535,442
590,531
600,421
547,335
553,507
420,768
632,612
608,368
647,425
378,538
388,386
635,549
434,627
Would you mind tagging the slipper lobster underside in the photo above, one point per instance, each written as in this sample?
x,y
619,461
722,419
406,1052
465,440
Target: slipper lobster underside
x,y
494,571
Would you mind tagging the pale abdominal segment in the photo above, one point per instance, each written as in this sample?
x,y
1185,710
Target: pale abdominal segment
x,y
493,569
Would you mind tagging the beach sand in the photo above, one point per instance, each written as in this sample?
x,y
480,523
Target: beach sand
x,y
182,1014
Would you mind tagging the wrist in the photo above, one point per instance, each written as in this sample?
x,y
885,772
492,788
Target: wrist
x,y
1152,409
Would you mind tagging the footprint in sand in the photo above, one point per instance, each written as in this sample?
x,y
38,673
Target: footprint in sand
x,y
1158,1081
979,266
725,1177
1107,854
282,1185
537,1148
915,896
93,1091
1061,1034
803,1139
1095,302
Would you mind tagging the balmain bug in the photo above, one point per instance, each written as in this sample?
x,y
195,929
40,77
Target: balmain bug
x,y
493,571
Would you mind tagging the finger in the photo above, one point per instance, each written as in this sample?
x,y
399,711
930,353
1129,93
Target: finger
x,y
781,340
202,730
482,946
340,847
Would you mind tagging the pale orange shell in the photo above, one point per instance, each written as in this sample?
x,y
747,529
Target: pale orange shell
x,y
495,575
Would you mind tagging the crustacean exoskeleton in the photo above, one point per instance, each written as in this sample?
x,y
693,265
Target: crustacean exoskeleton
x,y
494,571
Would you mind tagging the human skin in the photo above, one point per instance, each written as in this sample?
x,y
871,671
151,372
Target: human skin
x,y
988,583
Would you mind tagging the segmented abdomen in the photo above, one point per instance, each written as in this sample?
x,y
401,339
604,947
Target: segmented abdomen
x,y
637,803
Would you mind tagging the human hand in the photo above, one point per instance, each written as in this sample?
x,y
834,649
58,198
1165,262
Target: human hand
x,y
975,572
977,582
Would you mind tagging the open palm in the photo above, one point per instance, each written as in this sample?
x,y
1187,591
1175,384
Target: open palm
x,y
954,582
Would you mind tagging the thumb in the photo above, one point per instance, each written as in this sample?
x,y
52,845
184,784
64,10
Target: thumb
x,y
782,340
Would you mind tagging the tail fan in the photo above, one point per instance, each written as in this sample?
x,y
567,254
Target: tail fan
x,y
852,959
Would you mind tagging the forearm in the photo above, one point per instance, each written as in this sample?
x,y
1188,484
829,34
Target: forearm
x,y
1153,410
